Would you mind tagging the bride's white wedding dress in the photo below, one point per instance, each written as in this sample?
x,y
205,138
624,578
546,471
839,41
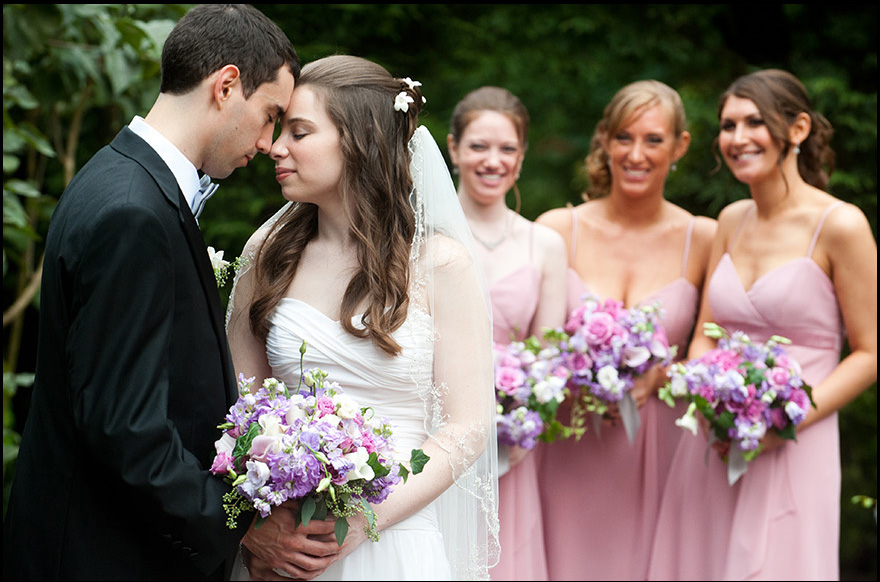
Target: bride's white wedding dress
x,y
412,549
440,387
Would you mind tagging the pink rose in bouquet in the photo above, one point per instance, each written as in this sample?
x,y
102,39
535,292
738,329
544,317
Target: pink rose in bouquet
x,y
606,347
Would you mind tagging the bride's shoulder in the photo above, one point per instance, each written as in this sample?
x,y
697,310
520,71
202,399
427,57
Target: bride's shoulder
x,y
255,241
445,250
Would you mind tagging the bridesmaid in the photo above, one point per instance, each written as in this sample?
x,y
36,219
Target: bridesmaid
x,y
790,260
525,268
600,495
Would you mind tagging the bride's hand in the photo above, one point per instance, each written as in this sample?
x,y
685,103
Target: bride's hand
x,y
279,547
355,536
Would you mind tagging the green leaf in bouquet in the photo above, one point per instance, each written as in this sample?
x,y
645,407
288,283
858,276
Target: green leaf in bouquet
x,y
753,375
546,410
307,508
417,461
321,509
809,390
753,454
788,432
555,430
243,444
533,344
555,336
378,468
341,530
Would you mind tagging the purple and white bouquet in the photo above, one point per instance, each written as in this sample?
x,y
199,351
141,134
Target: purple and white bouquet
x,y
606,347
743,389
529,386
316,446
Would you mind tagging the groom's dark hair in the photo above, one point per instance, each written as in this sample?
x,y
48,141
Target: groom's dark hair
x,y
211,36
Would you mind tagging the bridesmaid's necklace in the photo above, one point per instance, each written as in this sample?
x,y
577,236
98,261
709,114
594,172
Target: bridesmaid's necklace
x,y
492,245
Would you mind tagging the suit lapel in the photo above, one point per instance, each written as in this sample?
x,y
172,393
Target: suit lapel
x,y
129,144
209,285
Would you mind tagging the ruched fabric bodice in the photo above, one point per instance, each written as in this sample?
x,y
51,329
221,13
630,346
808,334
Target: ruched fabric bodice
x,y
352,362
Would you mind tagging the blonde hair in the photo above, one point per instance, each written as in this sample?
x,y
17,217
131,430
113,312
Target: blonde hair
x,y
627,102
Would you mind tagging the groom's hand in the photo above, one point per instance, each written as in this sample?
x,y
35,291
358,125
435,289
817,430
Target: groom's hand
x,y
279,547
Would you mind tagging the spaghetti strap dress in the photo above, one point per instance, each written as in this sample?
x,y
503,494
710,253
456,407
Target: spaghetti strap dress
x,y
781,519
600,495
514,304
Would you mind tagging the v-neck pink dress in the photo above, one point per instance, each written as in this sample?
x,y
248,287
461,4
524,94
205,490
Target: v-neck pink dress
x,y
781,520
514,304
600,495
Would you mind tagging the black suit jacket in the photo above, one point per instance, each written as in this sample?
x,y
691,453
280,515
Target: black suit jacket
x,y
133,376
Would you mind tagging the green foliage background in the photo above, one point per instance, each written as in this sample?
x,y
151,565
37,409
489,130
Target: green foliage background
x,y
73,75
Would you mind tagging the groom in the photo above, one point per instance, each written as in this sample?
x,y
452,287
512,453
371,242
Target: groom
x,y
133,368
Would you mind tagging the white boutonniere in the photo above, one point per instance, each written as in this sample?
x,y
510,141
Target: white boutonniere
x,y
221,266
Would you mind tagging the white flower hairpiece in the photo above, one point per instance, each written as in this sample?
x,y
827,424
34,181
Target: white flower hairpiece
x,y
402,101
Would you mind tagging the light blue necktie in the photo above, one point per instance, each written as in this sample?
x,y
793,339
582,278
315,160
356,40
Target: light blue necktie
x,y
206,190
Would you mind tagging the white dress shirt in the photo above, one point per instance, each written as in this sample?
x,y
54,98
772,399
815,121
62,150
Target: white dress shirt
x,y
184,171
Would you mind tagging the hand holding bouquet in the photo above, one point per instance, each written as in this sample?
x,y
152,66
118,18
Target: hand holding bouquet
x,y
743,389
316,446
607,347
529,386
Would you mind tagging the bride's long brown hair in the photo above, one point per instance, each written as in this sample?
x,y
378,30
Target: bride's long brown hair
x,y
359,96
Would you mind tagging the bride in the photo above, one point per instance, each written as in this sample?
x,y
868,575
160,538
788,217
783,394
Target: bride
x,y
370,264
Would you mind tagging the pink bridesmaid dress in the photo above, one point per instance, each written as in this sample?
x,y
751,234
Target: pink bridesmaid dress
x,y
781,520
600,495
514,304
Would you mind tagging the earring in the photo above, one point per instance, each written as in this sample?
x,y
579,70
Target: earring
x,y
455,170
797,149
673,167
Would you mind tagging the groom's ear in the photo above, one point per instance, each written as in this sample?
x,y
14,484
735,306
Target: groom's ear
x,y
226,81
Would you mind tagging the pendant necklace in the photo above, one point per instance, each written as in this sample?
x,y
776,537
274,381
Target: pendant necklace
x,y
492,245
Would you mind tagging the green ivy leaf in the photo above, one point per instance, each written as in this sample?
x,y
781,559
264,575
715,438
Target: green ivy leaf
x,y
417,461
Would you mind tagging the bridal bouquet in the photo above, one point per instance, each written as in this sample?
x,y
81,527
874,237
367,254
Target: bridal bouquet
x,y
529,386
743,389
607,346
316,446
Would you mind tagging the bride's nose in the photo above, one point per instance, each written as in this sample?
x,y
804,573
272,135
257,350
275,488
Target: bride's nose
x,y
279,150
